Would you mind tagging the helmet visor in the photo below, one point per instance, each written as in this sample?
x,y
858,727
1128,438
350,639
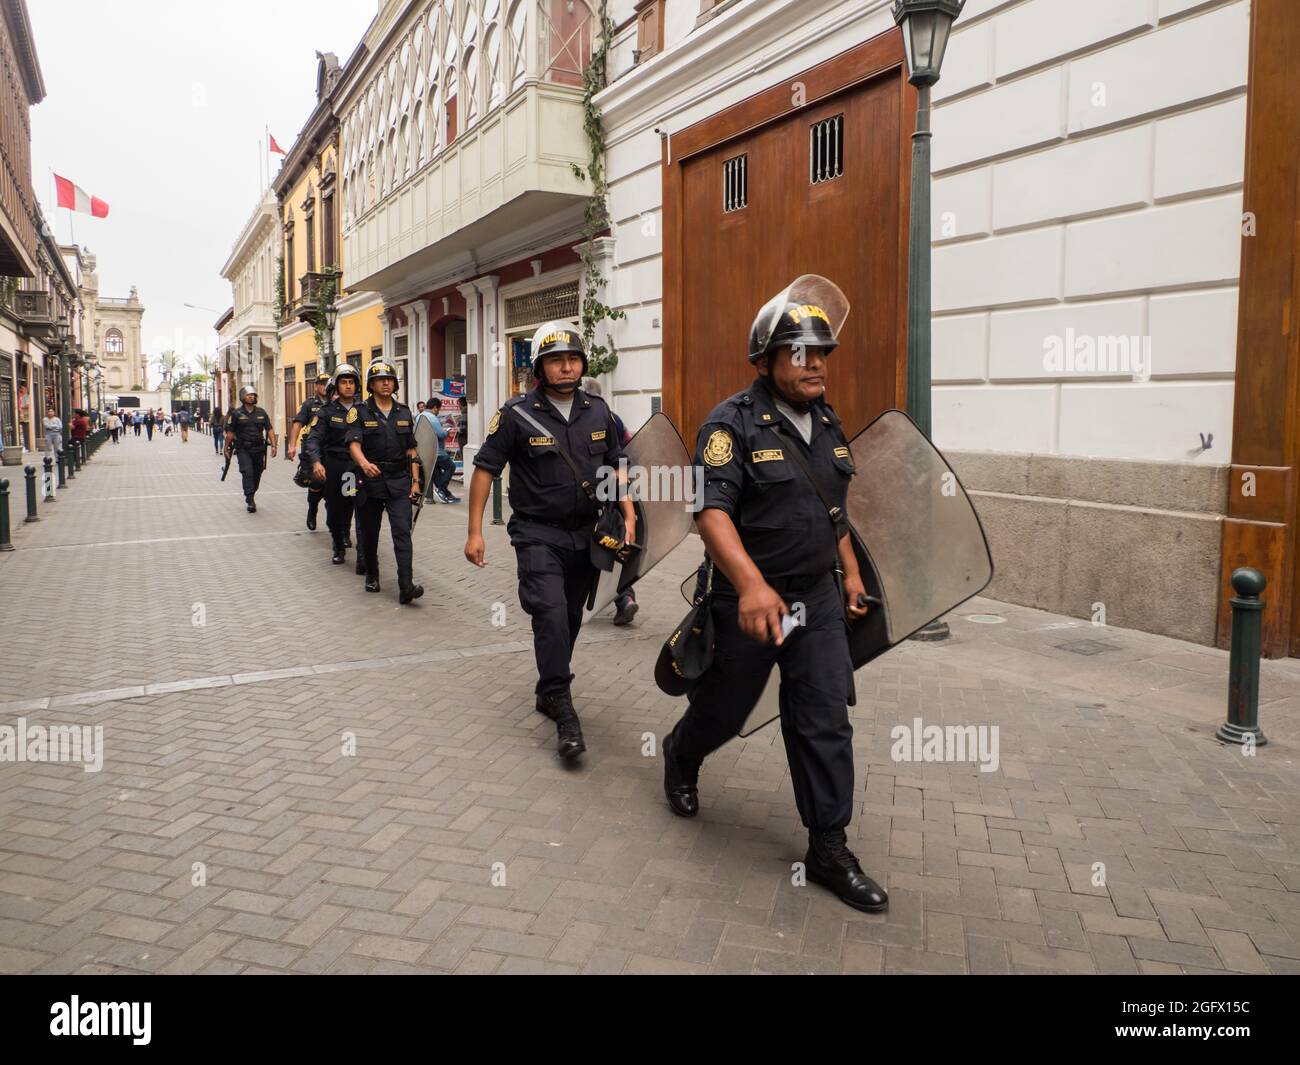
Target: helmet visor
x,y
813,291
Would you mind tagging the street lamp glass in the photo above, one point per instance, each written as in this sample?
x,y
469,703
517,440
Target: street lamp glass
x,y
331,316
926,25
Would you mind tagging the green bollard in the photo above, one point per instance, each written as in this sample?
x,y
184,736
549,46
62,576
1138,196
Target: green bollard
x,y
49,479
5,545
496,501
30,473
1242,726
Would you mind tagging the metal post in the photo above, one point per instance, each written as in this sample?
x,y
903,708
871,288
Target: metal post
x,y
1242,726
49,480
29,472
58,458
70,456
496,501
918,294
5,545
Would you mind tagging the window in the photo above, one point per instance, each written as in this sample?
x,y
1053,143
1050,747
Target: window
x,y
735,184
113,342
327,231
826,153
649,28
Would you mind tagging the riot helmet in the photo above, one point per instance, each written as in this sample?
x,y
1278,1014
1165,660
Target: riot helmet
x,y
810,312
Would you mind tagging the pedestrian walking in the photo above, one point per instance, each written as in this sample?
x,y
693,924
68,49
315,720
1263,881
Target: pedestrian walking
x,y
249,431
183,419
114,424
381,437
53,427
148,425
216,431
332,464
555,440
301,423
777,468
137,421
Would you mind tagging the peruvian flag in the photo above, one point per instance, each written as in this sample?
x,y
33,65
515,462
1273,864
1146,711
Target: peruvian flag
x,y
275,147
75,198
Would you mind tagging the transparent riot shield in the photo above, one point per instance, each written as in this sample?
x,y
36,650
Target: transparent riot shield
x,y
920,546
666,492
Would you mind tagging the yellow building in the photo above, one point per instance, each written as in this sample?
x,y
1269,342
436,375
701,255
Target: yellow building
x,y
311,266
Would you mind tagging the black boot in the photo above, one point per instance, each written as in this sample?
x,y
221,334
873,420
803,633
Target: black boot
x,y
681,781
340,554
361,564
252,507
409,592
311,514
372,583
347,539
559,708
830,863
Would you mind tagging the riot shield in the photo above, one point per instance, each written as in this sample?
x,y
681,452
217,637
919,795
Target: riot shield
x,y
426,448
919,543
665,489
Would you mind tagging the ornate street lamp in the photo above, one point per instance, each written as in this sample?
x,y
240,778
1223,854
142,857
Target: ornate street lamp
x,y
331,319
926,25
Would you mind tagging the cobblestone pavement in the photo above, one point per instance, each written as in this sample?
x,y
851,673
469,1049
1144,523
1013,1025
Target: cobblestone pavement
x,y
453,840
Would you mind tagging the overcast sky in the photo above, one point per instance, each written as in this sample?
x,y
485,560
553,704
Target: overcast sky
x,y
157,107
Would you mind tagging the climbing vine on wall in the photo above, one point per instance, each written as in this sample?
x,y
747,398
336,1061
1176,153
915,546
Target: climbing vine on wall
x,y
324,297
601,358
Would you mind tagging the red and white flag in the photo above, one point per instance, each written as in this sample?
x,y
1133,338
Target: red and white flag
x,y
75,198
275,147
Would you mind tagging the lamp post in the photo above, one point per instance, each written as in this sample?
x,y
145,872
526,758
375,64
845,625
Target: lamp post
x,y
926,25
331,319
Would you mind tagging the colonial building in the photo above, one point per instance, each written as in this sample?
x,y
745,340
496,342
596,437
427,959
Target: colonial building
x,y
1109,368
250,343
311,287
461,124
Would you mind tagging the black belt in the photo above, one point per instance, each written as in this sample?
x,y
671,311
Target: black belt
x,y
570,525
795,584
395,466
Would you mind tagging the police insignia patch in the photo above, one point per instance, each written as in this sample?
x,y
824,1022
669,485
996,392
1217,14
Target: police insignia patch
x,y
717,452
494,424
352,415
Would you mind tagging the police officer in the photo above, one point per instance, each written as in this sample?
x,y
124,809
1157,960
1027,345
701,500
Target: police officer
x,y
327,450
381,438
552,515
301,421
778,542
248,431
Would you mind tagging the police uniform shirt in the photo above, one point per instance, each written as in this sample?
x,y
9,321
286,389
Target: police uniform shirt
x,y
250,427
310,408
744,448
385,439
326,433
542,485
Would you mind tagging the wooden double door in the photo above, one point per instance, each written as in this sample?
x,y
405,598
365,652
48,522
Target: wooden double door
x,y
809,177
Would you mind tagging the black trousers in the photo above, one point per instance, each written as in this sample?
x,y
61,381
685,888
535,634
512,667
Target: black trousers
x,y
555,575
371,507
250,469
816,678
341,498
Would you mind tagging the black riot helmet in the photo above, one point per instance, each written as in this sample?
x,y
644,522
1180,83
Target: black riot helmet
x,y
378,369
556,338
810,312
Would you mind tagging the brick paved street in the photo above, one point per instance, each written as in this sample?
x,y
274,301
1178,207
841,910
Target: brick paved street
x,y
223,746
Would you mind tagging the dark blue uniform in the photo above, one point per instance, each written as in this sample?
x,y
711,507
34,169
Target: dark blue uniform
x,y
250,429
326,443
387,441
551,515
744,448
305,416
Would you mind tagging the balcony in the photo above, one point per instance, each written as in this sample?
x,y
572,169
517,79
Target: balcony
x,y
463,133
33,310
310,285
